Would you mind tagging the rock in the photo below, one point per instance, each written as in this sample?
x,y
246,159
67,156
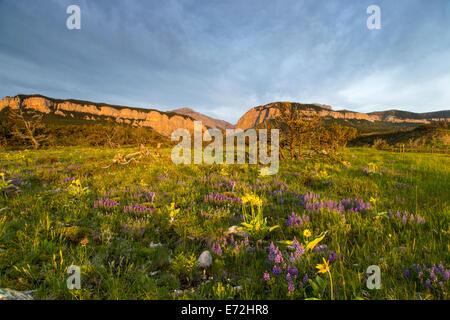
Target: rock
x,y
205,259
12,191
8,294
154,245
235,231
261,114
238,288
178,292
162,122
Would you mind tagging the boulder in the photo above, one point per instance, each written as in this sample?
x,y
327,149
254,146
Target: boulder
x,y
205,259
235,231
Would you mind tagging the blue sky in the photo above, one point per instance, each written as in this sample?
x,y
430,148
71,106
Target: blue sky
x,y
224,57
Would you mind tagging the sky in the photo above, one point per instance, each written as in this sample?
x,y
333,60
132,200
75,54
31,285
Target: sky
x,y
224,57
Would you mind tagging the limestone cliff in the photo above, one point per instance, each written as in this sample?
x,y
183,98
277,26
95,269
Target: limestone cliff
x,y
260,114
162,122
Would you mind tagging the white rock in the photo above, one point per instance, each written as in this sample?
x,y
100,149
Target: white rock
x,y
155,245
178,292
235,231
205,259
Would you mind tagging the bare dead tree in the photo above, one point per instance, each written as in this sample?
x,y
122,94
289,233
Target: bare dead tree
x,y
29,129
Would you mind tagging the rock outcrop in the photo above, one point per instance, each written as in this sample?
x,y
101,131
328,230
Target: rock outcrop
x,y
261,114
162,122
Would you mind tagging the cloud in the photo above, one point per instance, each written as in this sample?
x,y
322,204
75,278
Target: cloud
x,y
224,57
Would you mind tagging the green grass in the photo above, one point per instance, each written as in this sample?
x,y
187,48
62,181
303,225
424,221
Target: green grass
x,y
44,229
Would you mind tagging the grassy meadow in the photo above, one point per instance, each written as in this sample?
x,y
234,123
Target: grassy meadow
x,y
308,232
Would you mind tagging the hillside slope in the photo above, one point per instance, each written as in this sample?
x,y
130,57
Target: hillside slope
x,y
206,121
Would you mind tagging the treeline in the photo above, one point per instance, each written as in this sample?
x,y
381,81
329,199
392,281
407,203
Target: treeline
x,y
433,136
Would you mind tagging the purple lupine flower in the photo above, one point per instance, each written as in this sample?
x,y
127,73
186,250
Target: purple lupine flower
x,y
217,249
105,203
446,275
332,256
292,271
305,278
279,257
406,273
136,208
291,287
433,276
428,284
292,258
266,276
299,251
404,219
277,271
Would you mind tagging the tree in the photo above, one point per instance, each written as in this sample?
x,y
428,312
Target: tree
x,y
27,128
294,126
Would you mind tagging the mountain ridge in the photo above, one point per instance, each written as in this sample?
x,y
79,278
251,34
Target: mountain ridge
x,y
260,114
165,122
206,120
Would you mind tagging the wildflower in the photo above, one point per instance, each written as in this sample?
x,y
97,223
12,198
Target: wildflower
x,y
305,278
446,275
332,256
433,276
406,273
291,287
428,284
292,271
292,258
323,268
277,271
217,249
313,243
307,233
279,258
266,276
84,242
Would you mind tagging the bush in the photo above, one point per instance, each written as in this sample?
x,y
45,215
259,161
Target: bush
x,y
380,144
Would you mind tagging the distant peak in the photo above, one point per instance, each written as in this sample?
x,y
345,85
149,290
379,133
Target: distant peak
x,y
183,110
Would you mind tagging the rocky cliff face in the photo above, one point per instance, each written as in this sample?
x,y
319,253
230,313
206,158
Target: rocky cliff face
x,y
162,122
260,114
207,121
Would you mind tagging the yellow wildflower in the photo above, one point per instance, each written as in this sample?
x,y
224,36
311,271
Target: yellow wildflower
x,y
323,268
314,242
